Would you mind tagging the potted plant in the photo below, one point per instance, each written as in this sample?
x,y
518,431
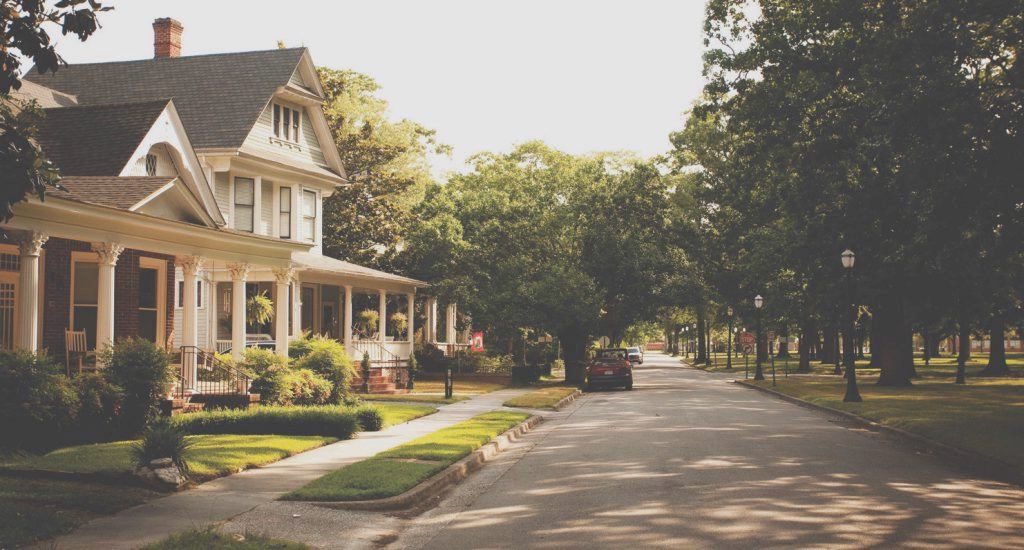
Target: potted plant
x,y
399,323
368,320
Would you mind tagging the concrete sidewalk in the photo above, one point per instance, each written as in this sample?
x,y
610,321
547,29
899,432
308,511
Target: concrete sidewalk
x,y
224,498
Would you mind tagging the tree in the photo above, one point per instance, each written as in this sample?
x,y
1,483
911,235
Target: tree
x,y
23,166
387,163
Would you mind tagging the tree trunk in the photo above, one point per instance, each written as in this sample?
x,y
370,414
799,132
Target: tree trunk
x,y
828,347
574,348
813,342
997,350
926,337
965,350
702,356
892,348
804,346
933,343
783,343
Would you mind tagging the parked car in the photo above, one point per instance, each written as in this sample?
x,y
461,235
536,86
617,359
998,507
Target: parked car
x,y
610,368
635,355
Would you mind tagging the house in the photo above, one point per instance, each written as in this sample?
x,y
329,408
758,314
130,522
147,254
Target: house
x,y
193,184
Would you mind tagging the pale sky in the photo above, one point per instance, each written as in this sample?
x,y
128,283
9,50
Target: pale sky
x,y
582,75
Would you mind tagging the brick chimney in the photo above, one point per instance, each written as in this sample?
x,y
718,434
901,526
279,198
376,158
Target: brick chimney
x,y
167,37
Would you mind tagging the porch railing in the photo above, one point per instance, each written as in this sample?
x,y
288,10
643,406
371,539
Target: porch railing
x,y
381,354
202,372
452,349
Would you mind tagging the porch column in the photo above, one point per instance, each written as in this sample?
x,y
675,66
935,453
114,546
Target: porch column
x,y
108,254
346,333
411,314
282,280
432,320
382,322
28,291
239,273
449,327
190,266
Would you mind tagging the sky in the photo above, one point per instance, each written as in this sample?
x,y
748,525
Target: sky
x,y
582,75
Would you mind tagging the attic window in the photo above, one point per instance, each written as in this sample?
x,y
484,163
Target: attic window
x,y
287,123
150,165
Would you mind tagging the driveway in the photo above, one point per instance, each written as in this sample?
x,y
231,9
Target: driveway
x,y
688,459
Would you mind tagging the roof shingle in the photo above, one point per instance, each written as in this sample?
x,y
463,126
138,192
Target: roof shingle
x,y
115,192
219,96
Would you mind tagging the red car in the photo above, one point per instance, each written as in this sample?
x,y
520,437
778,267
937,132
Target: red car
x,y
611,368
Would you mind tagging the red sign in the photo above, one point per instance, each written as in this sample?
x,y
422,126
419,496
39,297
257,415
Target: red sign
x,y
747,339
477,344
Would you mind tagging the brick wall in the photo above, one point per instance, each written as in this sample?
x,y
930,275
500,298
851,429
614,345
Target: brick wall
x,y
57,293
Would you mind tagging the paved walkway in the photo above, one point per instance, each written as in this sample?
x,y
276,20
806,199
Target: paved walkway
x,y
227,497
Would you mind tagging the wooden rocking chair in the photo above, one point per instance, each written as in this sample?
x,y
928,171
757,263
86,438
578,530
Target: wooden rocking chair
x,y
77,349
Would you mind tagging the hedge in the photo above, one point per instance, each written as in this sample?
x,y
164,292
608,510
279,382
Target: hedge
x,y
328,421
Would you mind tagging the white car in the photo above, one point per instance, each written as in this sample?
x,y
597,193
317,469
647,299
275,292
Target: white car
x,y
635,355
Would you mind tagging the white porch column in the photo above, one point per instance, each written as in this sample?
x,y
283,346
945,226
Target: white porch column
x,y
239,272
449,327
108,254
190,267
27,332
346,332
411,314
432,320
283,277
382,322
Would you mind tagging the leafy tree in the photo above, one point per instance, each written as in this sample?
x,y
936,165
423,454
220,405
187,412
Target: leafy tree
x,y
23,166
387,162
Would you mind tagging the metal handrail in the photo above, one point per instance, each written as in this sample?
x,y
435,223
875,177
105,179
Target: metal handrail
x,y
212,375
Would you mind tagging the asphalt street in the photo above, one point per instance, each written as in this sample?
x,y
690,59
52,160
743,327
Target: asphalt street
x,y
688,459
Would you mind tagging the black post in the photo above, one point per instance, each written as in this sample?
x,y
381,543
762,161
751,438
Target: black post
x,y
449,382
772,359
728,351
746,365
758,373
852,393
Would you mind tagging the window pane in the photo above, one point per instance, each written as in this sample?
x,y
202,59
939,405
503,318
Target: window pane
x,y
309,228
295,125
277,120
147,288
147,324
199,294
309,203
181,294
85,319
244,191
286,225
286,121
307,308
286,199
243,218
86,282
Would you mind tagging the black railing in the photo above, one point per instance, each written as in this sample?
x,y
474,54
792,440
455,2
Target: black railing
x,y
202,372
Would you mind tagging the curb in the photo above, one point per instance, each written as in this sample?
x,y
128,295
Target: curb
x,y
567,399
974,461
440,482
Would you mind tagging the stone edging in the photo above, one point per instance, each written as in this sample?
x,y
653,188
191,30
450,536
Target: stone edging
x,y
567,399
991,467
441,481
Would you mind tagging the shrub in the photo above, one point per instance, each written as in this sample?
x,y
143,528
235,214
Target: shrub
x,y
37,404
370,418
329,421
273,386
256,361
163,439
328,358
299,346
100,406
431,358
306,387
143,370
490,364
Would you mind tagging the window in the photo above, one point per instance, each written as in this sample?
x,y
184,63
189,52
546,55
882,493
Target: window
x,y
181,294
148,301
309,215
296,115
85,290
245,197
286,123
150,165
277,120
286,213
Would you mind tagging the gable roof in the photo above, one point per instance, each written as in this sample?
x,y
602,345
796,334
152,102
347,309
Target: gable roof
x,y
219,96
116,192
45,97
96,141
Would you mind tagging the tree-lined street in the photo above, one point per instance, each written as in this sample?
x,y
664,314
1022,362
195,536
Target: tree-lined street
x,y
688,459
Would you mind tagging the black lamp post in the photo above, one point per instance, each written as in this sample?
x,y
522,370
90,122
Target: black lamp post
x,y
728,350
852,393
758,373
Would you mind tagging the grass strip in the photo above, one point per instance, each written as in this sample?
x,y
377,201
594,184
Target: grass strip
x,y
208,539
397,470
336,421
211,456
544,398
415,398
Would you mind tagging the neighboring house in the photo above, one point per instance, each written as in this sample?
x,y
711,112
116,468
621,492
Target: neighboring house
x,y
204,172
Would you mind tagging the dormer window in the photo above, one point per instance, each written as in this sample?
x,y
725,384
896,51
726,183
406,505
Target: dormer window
x,y
151,165
287,123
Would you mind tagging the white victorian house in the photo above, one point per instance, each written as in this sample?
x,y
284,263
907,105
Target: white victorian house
x,y
192,184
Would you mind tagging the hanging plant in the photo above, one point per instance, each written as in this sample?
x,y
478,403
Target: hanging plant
x,y
368,320
259,309
399,322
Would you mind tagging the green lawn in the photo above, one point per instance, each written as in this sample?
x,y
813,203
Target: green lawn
x,y
413,398
34,509
940,367
986,415
211,456
398,413
397,470
214,540
544,398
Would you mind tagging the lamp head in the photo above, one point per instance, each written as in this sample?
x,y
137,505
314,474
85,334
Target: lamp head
x,y
848,257
758,301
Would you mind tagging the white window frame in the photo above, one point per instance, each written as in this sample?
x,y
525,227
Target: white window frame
x,y
287,129
81,257
235,204
200,294
316,214
161,295
282,227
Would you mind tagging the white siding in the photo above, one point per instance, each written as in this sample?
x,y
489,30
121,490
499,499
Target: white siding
x,y
262,140
297,79
203,324
164,163
266,208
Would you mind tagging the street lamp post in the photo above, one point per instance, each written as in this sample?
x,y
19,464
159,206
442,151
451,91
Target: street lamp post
x,y
728,351
852,393
758,373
